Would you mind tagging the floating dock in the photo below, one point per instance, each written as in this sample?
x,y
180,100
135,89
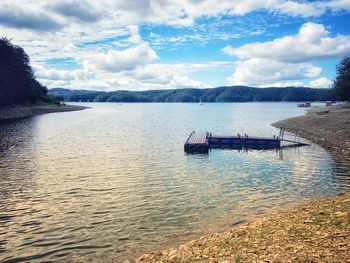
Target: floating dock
x,y
202,142
197,143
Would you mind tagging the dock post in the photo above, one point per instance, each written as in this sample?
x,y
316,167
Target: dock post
x,y
282,130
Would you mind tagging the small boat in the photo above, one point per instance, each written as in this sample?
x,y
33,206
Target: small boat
x,y
304,105
329,103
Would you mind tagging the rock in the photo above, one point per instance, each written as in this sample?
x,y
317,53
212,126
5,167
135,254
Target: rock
x,y
206,251
341,214
172,255
308,221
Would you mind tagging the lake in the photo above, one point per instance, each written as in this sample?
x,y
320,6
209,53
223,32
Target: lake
x,y
113,181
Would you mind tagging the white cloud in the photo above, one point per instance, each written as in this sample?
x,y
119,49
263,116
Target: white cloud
x,y
116,61
22,18
77,30
103,13
128,63
286,61
150,76
321,83
64,75
80,10
283,84
311,42
185,82
337,5
135,37
262,72
305,9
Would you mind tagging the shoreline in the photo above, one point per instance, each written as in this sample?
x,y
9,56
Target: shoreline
x,y
8,113
318,231
328,127
311,232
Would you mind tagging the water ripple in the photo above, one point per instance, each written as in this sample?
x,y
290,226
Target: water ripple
x,y
114,181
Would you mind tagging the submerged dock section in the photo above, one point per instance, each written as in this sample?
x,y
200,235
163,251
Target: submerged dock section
x,y
202,142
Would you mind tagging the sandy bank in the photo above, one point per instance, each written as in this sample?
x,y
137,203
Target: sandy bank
x,y
19,111
318,231
329,129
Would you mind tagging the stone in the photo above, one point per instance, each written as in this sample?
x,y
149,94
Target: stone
x,y
172,255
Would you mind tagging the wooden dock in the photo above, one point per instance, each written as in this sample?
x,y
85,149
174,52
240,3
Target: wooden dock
x,y
197,143
202,142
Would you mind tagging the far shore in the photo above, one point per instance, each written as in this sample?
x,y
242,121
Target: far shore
x,y
317,231
13,112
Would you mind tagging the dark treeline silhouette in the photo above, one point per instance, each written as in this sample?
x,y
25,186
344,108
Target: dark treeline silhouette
x,y
341,84
17,82
221,94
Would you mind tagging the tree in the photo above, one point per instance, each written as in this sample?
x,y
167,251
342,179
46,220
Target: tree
x,y
17,82
341,84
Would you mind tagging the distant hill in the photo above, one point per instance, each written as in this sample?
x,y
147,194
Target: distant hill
x,y
220,94
17,82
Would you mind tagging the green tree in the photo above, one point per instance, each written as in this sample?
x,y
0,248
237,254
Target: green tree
x,y
17,82
341,84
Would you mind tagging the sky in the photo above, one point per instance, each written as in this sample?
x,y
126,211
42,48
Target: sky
x,y
166,44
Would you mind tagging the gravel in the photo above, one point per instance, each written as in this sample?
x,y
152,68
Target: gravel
x,y
318,231
327,126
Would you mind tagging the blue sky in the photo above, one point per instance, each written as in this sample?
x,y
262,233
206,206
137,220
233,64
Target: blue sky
x,y
162,44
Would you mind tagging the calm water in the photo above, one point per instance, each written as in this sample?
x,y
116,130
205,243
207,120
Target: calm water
x,y
112,182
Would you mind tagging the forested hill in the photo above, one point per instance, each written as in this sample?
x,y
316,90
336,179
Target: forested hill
x,y
220,94
17,82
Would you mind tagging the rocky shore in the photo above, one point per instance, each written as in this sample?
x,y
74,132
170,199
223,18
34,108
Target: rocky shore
x,y
20,111
326,126
318,231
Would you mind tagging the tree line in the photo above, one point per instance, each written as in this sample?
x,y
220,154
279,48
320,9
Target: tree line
x,y
220,94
